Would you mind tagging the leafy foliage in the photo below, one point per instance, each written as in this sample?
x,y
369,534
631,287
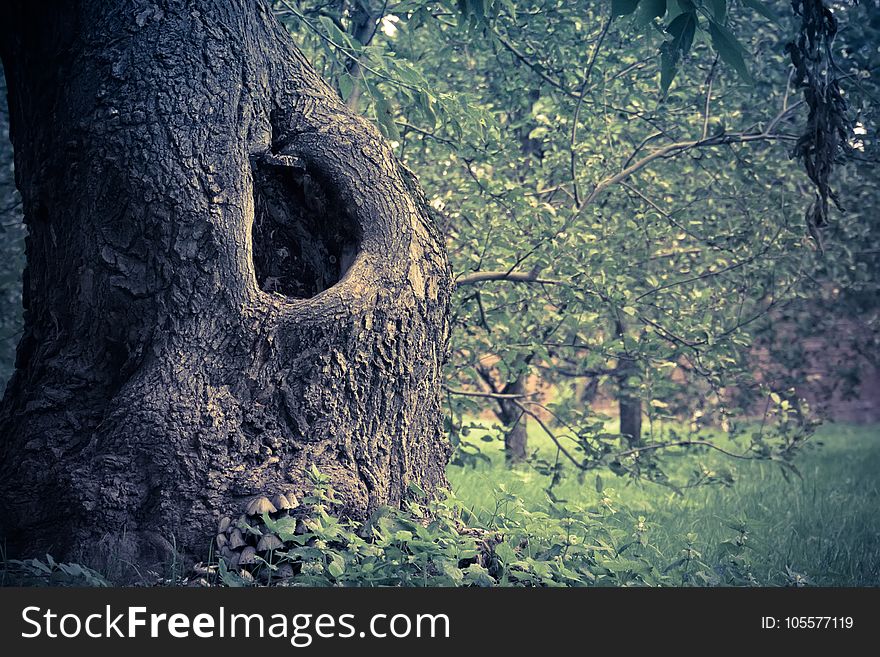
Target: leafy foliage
x,y
604,238
501,529
48,572
440,543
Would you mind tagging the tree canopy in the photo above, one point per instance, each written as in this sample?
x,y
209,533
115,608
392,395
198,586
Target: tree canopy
x,y
622,204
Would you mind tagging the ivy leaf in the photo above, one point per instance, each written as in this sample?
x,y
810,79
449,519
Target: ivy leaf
x,y
729,49
623,7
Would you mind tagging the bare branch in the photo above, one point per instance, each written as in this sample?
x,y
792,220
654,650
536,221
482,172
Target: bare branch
x,y
686,443
490,395
681,146
511,276
709,80
577,110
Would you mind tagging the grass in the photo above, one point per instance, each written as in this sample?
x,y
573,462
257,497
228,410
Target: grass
x,y
822,529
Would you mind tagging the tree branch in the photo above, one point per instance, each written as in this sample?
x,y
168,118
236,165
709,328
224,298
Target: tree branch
x,y
490,395
510,276
577,110
681,146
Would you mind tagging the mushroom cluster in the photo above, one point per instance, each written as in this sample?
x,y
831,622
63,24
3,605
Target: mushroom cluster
x,y
239,542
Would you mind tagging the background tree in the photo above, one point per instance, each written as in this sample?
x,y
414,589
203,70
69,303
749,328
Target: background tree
x,y
621,206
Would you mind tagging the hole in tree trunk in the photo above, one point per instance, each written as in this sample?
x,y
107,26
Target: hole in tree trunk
x,y
303,240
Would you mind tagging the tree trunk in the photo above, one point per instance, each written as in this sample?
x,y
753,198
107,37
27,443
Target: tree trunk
x,y
230,279
630,409
629,401
516,435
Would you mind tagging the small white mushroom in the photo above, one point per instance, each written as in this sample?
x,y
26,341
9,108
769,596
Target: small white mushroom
x,y
269,542
225,521
221,541
281,502
259,506
247,556
291,499
236,539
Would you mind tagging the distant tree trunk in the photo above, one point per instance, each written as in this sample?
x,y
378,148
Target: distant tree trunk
x,y
629,401
229,279
630,409
517,430
363,28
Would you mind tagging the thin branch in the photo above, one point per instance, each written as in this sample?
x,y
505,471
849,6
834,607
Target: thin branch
x,y
709,80
430,135
678,147
784,113
512,276
551,435
686,443
577,110
534,67
490,395
698,277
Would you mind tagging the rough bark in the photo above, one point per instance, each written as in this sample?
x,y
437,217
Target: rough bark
x,y
229,279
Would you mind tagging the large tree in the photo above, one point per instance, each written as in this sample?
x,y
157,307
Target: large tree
x,y
229,279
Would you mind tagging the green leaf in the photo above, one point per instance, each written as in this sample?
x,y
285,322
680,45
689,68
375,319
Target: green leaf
x,y
510,6
336,35
506,553
649,10
477,575
676,7
719,8
682,28
761,8
729,49
623,7
337,565
668,65
384,114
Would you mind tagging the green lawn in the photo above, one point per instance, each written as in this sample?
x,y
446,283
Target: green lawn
x,y
823,529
